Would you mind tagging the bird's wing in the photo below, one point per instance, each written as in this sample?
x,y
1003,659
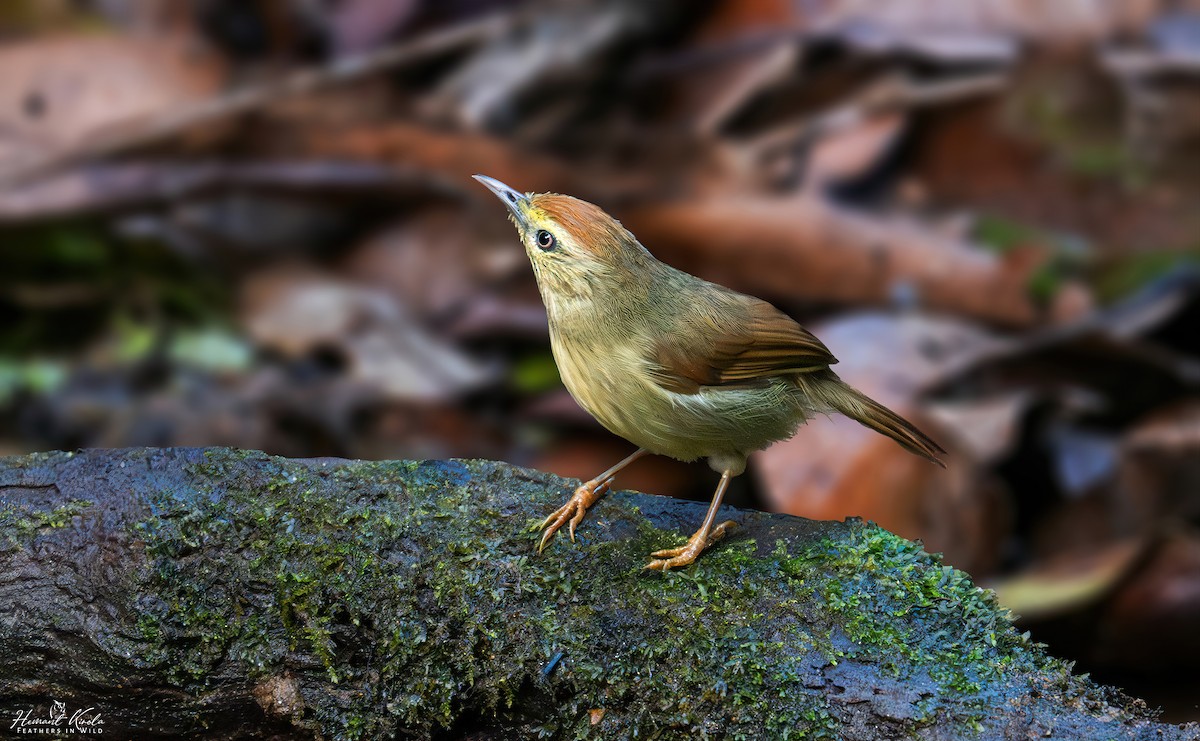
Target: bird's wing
x,y
736,341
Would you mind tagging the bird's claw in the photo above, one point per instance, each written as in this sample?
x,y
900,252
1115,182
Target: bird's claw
x,y
670,558
571,513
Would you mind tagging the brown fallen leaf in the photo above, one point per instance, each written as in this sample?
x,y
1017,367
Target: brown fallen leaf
x,y
987,428
806,247
1050,527
491,317
1150,622
1160,465
359,25
446,156
563,41
1070,581
296,312
437,261
850,152
56,92
709,94
423,430
834,469
844,139
973,28
1146,342
995,157
178,122
107,188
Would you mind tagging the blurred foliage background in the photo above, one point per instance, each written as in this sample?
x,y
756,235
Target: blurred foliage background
x,y
251,224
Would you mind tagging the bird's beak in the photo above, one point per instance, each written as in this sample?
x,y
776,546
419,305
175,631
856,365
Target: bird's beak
x,y
515,200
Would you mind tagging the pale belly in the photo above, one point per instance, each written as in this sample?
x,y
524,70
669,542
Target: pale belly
x,y
716,422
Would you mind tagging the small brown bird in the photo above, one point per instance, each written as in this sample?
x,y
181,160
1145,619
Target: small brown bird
x,y
674,364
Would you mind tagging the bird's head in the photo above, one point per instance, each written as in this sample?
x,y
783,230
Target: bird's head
x,y
572,244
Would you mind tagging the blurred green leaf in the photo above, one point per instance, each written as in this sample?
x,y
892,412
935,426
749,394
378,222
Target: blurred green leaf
x,y
76,248
1003,235
536,373
39,376
1130,273
40,16
101,276
133,340
1060,111
1045,282
212,350
1070,582
1066,255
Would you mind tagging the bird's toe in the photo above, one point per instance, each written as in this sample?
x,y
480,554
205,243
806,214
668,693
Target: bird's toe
x,y
671,558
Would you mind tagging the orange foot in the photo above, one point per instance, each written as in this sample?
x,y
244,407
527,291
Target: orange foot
x,y
670,558
574,510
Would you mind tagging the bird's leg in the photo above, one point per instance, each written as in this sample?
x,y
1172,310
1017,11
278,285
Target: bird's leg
x,y
669,558
585,496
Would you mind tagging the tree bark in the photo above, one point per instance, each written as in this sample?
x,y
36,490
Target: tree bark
x,y
221,594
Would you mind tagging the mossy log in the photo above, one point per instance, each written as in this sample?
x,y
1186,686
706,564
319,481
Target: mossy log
x,y
220,594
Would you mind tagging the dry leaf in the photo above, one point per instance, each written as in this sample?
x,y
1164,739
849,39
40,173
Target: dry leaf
x,y
708,96
565,40
1160,465
973,29
445,158
436,261
297,312
986,428
490,317
1070,581
995,156
1150,623
850,152
145,185
805,247
56,92
358,25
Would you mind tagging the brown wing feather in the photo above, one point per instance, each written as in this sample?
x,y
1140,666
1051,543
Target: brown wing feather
x,y
745,341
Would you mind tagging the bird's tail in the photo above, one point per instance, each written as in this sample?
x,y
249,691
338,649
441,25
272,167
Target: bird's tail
x,y
856,405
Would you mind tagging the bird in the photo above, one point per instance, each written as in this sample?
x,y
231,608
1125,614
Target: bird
x,y
675,364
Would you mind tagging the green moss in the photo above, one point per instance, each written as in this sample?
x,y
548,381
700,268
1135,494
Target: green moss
x,y
18,523
413,571
905,611
405,596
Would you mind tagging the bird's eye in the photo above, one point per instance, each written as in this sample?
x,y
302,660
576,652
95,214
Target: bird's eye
x,y
545,240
